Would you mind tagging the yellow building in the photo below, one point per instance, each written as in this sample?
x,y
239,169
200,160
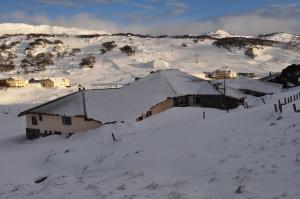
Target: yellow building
x,y
11,82
55,82
224,74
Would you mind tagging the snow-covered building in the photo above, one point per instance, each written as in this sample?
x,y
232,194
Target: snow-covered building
x,y
55,82
157,92
251,86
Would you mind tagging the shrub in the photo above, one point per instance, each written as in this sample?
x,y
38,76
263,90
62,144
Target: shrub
x,y
184,45
108,46
128,50
88,61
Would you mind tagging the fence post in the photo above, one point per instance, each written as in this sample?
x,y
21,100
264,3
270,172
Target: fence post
x,y
294,107
263,100
113,136
284,100
280,108
275,107
203,114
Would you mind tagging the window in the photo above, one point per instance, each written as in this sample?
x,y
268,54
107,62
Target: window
x,y
197,100
40,117
183,101
34,120
66,120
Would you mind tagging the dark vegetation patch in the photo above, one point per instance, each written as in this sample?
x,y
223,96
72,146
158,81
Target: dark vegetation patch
x,y
88,62
241,42
128,50
39,61
7,57
108,46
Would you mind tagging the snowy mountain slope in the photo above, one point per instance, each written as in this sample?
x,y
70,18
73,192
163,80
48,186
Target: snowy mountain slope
x,y
20,28
33,55
282,37
171,155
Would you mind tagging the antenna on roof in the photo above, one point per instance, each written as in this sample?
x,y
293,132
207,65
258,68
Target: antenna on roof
x,y
82,91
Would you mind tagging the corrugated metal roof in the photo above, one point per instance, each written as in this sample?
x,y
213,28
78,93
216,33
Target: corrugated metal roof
x,y
128,102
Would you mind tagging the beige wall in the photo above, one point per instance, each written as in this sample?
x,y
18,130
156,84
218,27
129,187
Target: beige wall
x,y
15,83
168,103
158,108
48,83
54,123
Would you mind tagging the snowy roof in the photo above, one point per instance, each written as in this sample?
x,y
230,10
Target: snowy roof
x,y
130,101
253,85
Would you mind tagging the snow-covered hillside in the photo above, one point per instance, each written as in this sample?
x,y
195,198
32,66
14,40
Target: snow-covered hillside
x,y
172,155
26,55
20,28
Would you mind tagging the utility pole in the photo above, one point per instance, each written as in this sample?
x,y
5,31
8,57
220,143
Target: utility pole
x,y
224,84
83,102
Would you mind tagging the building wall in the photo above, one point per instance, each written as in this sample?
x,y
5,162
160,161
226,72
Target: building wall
x,y
48,83
13,83
158,108
168,103
209,101
54,123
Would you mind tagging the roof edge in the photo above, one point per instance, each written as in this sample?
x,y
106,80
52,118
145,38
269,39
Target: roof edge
x,y
46,103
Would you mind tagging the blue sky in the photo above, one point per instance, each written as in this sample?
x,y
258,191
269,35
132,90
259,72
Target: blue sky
x,y
144,15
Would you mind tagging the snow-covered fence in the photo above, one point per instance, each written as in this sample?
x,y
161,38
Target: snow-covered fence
x,y
287,100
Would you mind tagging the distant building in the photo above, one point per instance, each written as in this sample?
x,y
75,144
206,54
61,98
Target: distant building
x,y
35,82
55,82
250,86
250,75
150,95
223,74
11,82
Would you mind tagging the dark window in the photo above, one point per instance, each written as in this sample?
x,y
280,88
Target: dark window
x,y
183,101
66,120
34,120
197,100
32,133
40,117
